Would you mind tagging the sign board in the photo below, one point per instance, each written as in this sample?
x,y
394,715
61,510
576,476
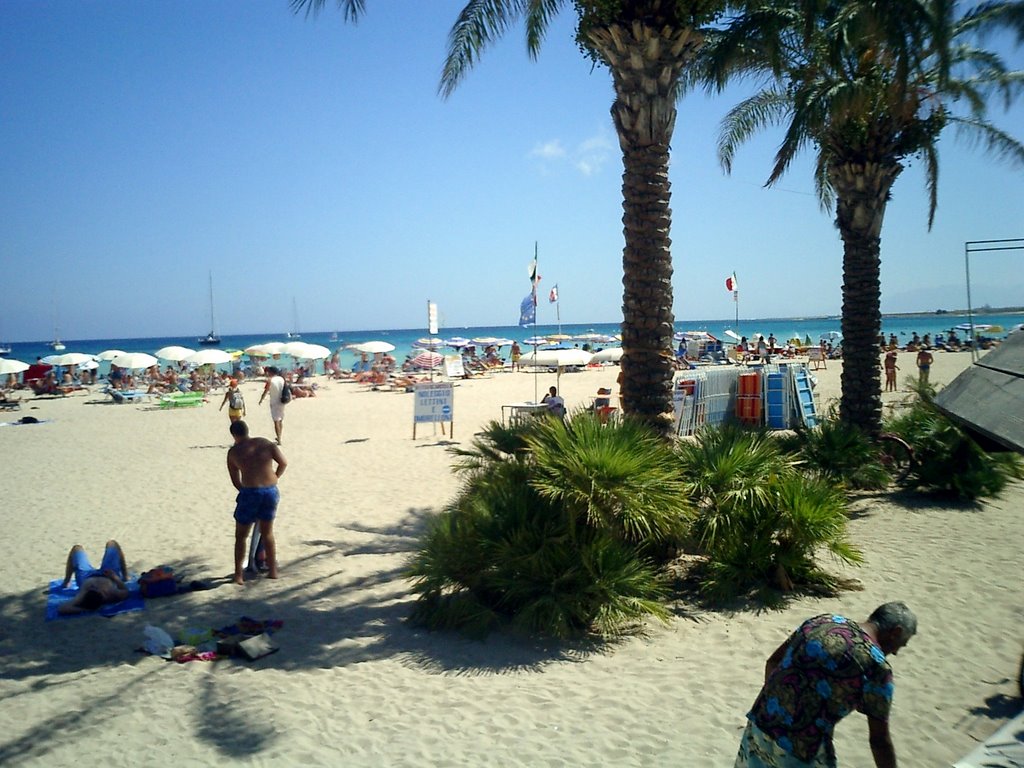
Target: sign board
x,y
453,367
434,402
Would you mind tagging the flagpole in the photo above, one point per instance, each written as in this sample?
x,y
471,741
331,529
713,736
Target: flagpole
x,y
533,288
736,301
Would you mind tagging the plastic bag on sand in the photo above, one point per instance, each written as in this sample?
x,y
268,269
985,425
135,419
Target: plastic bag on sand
x,y
158,642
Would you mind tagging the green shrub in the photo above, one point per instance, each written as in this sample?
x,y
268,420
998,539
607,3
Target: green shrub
x,y
840,452
518,548
946,459
759,520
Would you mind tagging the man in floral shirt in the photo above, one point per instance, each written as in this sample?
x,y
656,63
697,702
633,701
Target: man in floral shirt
x,y
826,669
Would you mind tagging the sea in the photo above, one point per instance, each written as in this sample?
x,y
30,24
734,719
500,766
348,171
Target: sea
x,y
902,326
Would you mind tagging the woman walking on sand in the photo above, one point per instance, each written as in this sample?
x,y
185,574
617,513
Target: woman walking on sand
x,y
890,371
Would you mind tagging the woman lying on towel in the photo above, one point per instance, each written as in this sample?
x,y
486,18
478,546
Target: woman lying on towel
x,y
96,586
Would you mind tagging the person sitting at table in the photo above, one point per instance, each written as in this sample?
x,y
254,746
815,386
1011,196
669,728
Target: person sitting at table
x,y
603,407
554,402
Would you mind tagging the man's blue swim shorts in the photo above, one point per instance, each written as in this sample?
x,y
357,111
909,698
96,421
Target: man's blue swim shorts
x,y
254,504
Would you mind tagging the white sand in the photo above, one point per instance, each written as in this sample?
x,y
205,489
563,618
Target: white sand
x,y
354,685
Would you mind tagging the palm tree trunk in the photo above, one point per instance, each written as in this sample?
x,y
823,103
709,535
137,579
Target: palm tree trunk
x,y
645,62
862,192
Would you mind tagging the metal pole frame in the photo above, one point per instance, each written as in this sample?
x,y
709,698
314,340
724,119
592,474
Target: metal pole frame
x,y
982,246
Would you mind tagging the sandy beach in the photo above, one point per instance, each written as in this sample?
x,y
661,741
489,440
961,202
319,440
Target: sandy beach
x,y
353,684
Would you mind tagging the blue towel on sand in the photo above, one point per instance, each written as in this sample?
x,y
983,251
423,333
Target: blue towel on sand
x,y
57,596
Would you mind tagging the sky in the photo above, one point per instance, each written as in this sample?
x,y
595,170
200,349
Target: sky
x,y
310,168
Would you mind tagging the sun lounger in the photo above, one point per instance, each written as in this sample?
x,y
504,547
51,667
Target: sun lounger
x,y
9,405
121,396
182,399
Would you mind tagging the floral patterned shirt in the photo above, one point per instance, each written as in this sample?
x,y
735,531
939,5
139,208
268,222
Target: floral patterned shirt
x,y
830,668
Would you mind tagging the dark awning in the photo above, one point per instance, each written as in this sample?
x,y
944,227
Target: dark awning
x,y
988,397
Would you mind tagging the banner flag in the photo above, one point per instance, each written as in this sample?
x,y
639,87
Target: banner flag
x,y
553,296
528,310
731,284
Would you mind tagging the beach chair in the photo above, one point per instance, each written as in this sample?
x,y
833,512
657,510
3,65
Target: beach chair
x,y
9,405
182,399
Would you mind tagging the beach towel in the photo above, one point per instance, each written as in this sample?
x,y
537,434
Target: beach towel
x,y
57,596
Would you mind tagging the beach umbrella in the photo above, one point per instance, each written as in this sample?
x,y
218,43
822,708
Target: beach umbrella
x,y
312,352
609,355
432,342
270,348
536,340
134,360
12,366
595,338
68,358
372,347
732,334
92,365
108,354
174,353
487,341
427,359
556,358
208,357
457,341
560,337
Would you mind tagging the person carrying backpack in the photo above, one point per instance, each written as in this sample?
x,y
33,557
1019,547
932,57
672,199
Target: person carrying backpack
x,y
234,401
277,390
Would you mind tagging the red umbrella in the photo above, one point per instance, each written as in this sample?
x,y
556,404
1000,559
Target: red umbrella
x,y
427,359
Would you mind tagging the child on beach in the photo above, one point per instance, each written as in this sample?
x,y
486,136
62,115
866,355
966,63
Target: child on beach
x,y
234,401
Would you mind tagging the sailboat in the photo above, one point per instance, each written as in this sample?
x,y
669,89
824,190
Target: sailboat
x,y
295,322
210,339
56,345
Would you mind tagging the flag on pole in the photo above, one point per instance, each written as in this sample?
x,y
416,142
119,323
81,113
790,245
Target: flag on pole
x,y
528,310
731,284
553,296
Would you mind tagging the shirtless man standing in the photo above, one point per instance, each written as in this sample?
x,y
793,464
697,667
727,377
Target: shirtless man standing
x,y
251,463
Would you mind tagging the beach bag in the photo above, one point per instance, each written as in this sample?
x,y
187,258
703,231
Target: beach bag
x,y
158,582
236,402
286,393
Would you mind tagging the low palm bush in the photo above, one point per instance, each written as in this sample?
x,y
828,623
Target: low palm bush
x,y
840,452
556,531
947,459
759,521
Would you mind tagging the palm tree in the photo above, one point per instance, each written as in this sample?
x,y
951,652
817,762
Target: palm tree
x,y
646,45
868,85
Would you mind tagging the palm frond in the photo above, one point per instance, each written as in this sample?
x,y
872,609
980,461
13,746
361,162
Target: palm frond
x,y
749,116
480,23
351,9
992,139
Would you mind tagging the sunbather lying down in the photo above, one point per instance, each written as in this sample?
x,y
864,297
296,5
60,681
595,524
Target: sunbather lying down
x,y
96,586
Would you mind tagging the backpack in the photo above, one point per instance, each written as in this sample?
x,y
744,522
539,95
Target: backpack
x,y
236,402
286,393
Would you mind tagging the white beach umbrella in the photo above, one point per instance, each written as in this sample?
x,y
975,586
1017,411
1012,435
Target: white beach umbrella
x,y
68,358
209,357
108,354
271,347
536,340
92,365
455,342
556,358
609,355
594,338
12,366
312,352
732,334
294,349
134,360
372,347
487,341
174,353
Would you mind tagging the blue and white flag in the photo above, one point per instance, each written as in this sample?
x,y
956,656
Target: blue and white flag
x,y
528,310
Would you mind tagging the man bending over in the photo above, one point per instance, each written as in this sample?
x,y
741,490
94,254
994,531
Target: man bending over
x,y
251,466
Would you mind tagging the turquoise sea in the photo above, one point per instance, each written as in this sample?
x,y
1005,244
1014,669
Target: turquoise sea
x,y
783,328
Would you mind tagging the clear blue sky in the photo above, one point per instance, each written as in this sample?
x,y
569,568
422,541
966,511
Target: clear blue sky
x,y
143,145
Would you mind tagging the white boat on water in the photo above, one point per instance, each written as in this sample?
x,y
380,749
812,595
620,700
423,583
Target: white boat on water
x,y
5,349
56,345
211,339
